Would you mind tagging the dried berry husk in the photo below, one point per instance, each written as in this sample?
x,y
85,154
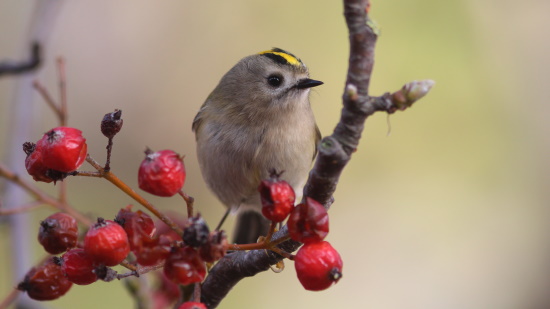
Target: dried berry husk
x,y
111,123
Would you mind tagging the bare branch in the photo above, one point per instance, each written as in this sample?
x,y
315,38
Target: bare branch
x,y
13,68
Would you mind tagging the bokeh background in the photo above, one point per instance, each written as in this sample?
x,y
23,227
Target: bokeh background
x,y
448,211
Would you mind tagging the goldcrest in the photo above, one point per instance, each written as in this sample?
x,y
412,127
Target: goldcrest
x,y
257,119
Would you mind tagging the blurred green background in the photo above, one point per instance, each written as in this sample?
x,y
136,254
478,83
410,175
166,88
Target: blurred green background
x,y
448,211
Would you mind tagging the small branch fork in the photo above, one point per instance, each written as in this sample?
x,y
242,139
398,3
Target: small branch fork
x,y
334,153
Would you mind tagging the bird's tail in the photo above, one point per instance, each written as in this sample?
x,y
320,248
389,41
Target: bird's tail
x,y
250,225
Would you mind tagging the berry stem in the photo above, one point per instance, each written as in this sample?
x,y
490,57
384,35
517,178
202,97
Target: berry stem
x,y
282,253
133,194
128,265
137,271
266,244
109,149
197,292
87,174
189,200
271,231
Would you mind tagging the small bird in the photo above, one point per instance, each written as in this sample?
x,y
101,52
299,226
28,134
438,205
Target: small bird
x,y
257,119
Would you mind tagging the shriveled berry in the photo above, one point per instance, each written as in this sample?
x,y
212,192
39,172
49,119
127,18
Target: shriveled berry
x,y
192,305
111,123
154,251
63,149
58,233
184,266
277,198
138,226
33,163
196,233
106,242
79,267
161,173
318,265
215,248
45,282
308,222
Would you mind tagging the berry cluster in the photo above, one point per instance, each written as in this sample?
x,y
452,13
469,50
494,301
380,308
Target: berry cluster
x,y
318,265
108,243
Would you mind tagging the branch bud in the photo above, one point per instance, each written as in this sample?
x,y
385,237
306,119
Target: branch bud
x,y
411,93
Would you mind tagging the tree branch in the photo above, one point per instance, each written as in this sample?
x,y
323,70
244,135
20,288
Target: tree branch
x,y
334,153
14,68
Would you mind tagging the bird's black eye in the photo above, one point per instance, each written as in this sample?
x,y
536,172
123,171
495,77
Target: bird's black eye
x,y
275,80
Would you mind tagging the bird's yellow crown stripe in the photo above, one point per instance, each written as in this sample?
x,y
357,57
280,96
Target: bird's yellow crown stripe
x,y
282,56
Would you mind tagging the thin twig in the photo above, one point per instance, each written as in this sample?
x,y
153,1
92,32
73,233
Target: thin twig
x,y
86,174
139,271
10,298
62,79
189,200
39,195
197,292
271,231
23,208
128,265
13,68
48,99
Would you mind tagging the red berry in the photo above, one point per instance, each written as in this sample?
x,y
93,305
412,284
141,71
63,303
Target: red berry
x,y
34,164
138,226
192,305
161,173
308,222
58,233
45,282
318,266
106,242
184,266
154,251
63,148
277,198
78,266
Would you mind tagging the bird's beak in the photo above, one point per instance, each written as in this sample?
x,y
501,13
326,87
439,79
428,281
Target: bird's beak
x,y
308,83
